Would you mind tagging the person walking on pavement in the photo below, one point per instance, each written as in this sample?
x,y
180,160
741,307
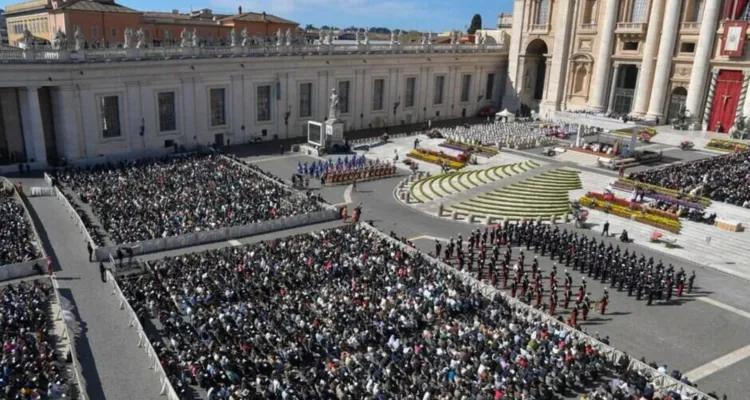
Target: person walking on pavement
x,y
605,231
103,271
90,249
119,256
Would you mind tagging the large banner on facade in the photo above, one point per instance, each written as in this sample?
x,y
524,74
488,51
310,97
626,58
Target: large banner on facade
x,y
734,38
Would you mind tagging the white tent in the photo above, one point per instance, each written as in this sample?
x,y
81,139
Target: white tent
x,y
505,114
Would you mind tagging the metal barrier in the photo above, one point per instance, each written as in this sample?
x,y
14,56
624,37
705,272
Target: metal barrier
x,y
25,268
48,179
37,191
76,218
658,380
222,234
153,360
79,380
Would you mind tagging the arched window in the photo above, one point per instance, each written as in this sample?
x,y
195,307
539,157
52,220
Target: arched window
x,y
542,14
588,12
639,12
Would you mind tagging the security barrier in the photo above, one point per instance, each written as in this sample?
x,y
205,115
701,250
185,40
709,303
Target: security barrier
x,y
79,380
76,218
219,235
658,380
42,191
26,268
166,388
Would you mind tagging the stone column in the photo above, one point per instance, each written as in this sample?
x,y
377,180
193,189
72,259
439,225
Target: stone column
x,y
710,98
33,129
703,52
615,78
638,79
646,74
664,62
601,71
68,126
742,104
746,104
556,81
513,83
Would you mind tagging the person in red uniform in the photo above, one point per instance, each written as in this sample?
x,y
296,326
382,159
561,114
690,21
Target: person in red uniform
x,y
585,307
604,301
505,275
552,303
568,295
573,321
539,295
513,287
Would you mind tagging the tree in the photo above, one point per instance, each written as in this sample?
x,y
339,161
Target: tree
x,y
476,23
310,27
325,28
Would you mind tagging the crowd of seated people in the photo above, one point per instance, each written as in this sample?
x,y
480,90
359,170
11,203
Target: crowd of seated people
x,y
29,366
143,200
723,178
17,243
346,314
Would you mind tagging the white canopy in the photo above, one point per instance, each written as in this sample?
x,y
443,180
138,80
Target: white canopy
x,y
505,113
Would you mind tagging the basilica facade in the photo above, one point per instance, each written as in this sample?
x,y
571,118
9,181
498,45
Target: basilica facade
x,y
643,58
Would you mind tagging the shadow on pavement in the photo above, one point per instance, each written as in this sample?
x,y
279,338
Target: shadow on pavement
x,y
85,356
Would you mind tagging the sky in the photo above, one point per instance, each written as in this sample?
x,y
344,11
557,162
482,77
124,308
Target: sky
x,y
424,15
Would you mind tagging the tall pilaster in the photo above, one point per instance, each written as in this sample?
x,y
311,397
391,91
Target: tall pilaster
x,y
646,74
709,98
613,88
697,88
664,61
742,103
559,62
512,84
601,71
33,129
68,123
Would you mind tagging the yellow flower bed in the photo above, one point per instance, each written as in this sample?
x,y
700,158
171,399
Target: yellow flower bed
x,y
435,159
648,219
651,131
725,145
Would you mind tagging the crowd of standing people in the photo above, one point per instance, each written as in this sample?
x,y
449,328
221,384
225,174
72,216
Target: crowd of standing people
x,y
347,314
29,365
725,178
17,241
155,198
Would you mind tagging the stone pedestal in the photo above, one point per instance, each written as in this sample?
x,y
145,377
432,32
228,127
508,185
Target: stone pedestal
x,y
237,51
187,51
63,55
334,132
131,53
29,54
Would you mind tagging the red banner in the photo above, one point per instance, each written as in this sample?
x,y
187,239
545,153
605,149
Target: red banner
x,y
734,38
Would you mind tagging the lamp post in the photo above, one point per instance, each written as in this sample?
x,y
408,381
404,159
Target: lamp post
x,y
286,120
395,107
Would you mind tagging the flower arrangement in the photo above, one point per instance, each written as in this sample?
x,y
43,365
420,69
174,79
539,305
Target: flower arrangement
x,y
625,212
725,145
620,202
439,158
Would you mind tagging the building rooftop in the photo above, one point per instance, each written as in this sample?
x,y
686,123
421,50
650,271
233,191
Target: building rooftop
x,y
87,5
257,17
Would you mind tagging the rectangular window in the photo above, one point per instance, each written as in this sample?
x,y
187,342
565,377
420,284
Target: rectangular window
x,y
688,48
94,32
639,12
411,92
305,100
167,117
218,107
465,88
630,46
542,16
490,86
113,32
146,33
344,97
109,113
378,88
697,13
263,103
437,95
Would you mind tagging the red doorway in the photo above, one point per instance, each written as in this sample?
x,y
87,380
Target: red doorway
x,y
726,99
